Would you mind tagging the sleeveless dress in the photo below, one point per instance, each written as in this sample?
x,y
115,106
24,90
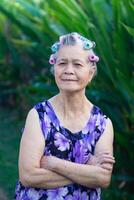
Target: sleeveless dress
x,y
62,143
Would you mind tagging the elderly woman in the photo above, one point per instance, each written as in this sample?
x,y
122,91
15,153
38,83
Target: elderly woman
x,y
66,150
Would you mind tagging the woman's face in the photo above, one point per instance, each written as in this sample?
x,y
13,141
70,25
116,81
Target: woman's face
x,y
72,70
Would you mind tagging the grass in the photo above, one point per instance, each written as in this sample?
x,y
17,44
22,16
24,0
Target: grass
x,y
10,133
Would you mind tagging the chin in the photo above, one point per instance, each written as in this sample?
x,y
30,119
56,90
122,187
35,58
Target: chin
x,y
69,89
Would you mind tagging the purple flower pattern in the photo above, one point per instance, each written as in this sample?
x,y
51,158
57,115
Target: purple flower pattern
x,y
80,152
57,194
62,143
78,195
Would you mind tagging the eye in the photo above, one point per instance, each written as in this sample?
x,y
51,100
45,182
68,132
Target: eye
x,y
62,63
78,64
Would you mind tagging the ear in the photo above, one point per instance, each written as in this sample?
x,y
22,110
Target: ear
x,y
92,72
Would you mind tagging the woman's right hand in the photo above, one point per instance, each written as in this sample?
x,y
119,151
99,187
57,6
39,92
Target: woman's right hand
x,y
102,159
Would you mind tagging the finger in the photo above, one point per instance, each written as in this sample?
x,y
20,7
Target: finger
x,y
108,156
105,156
104,152
107,166
108,160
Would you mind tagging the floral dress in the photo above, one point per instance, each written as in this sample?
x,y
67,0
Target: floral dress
x,y
62,143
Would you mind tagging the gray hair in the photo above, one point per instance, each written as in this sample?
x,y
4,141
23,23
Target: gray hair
x,y
72,39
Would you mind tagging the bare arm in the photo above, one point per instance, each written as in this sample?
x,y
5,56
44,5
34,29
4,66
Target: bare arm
x,y
105,144
31,150
87,175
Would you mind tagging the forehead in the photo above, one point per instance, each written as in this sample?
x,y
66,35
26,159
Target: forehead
x,y
75,52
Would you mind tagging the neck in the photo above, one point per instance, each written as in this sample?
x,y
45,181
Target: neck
x,y
73,102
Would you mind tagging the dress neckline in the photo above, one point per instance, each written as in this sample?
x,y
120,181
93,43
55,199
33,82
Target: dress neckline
x,y
83,130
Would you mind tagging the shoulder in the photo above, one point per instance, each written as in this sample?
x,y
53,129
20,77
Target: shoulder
x,y
32,119
109,127
108,133
32,114
109,123
105,142
32,129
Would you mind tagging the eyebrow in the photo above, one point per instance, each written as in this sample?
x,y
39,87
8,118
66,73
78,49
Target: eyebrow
x,y
62,59
65,59
77,60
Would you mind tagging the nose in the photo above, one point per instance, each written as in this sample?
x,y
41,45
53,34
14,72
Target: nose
x,y
69,69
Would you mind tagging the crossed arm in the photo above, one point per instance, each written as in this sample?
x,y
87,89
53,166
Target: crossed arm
x,y
51,172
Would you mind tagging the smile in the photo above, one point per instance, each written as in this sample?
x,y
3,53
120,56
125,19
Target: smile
x,y
68,80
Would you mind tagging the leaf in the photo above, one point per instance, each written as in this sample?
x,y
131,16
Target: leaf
x,y
129,29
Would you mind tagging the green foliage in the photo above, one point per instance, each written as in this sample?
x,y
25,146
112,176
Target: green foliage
x,y
25,40
28,28
9,148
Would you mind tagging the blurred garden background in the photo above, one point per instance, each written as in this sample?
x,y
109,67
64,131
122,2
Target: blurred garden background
x,y
27,30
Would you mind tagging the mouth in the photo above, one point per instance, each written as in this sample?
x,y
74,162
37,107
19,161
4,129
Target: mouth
x,y
69,80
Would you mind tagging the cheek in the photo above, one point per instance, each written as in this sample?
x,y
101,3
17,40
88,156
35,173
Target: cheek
x,y
57,70
85,76
57,75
